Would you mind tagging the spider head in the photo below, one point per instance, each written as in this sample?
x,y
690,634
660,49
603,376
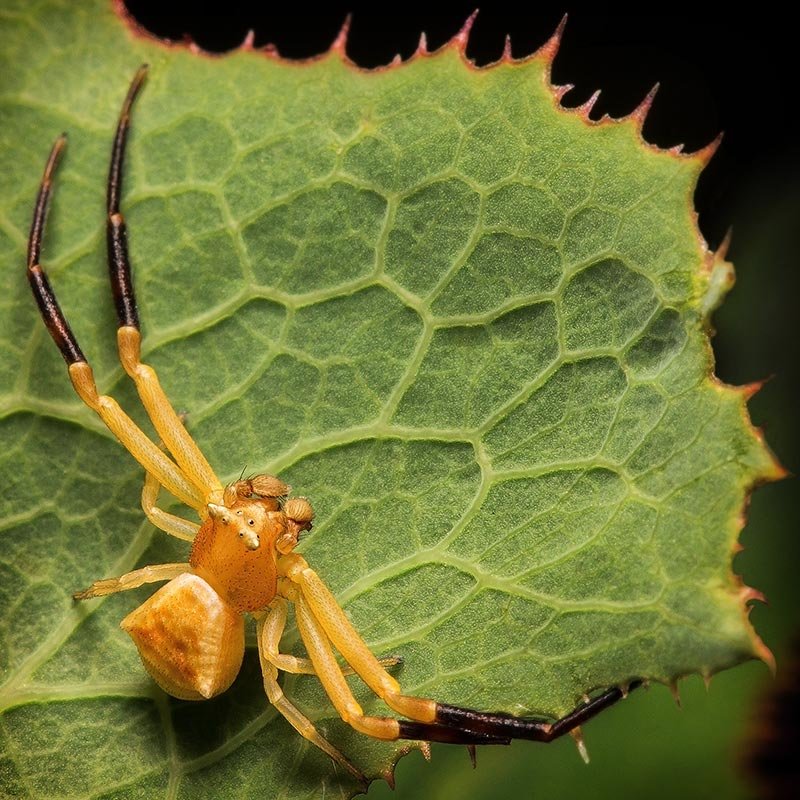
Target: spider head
x,y
247,520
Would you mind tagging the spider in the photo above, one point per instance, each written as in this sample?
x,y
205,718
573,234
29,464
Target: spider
x,y
190,633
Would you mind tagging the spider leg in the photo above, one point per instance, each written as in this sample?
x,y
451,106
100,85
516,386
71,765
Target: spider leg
x,y
293,715
511,727
429,720
130,580
271,633
332,679
121,425
169,523
341,632
165,420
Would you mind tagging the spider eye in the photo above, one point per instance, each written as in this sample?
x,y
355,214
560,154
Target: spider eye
x,y
241,535
239,513
251,522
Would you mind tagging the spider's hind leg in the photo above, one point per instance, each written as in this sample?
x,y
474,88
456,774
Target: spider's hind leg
x,y
269,631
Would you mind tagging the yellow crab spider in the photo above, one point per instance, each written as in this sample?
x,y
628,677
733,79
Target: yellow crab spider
x,y
190,633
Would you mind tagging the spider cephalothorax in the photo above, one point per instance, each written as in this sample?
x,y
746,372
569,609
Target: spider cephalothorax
x,y
237,547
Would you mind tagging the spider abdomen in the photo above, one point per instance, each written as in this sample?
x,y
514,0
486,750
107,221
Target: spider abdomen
x,y
190,640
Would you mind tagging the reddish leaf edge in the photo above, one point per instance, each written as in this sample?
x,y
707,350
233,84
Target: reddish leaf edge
x,y
459,43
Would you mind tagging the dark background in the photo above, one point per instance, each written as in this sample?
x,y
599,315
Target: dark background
x,y
733,72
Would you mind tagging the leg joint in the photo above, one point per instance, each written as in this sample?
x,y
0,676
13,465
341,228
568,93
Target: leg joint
x,y
384,728
417,708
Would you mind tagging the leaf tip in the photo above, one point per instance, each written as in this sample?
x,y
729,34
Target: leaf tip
x,y
705,154
762,652
191,45
750,390
768,657
560,91
725,244
585,109
461,39
422,47
639,114
675,692
549,49
772,470
339,44
748,593
507,57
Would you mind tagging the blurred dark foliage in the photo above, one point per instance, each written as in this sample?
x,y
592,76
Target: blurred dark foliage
x,y
771,753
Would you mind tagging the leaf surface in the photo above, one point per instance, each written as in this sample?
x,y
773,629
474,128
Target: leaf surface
x,y
469,324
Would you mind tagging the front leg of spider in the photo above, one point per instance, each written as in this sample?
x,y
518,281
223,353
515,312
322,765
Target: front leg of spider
x,y
190,633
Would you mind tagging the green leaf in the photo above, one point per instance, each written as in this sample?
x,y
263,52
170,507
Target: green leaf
x,y
470,325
